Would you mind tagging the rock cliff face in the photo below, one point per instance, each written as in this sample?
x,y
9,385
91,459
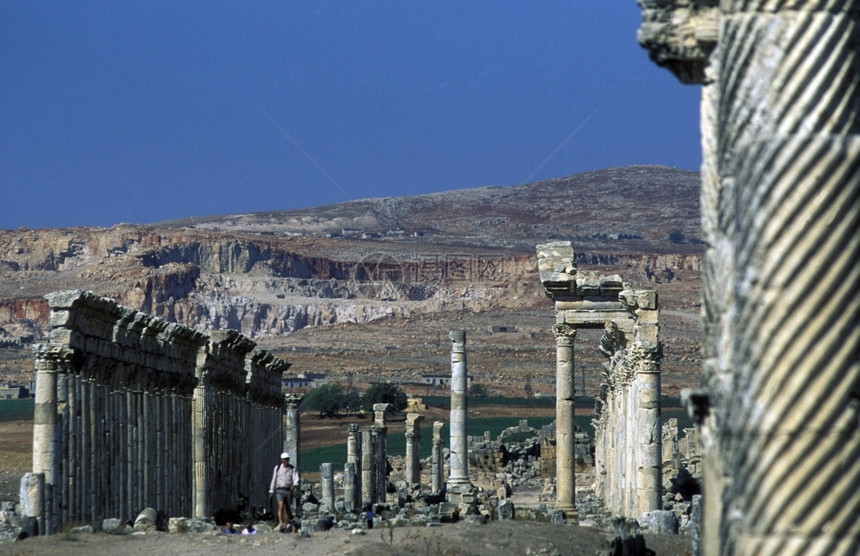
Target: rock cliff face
x,y
263,286
265,274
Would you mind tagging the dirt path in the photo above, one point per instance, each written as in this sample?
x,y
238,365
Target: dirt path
x,y
497,537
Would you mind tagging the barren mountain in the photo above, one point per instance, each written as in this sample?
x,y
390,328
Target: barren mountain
x,y
369,287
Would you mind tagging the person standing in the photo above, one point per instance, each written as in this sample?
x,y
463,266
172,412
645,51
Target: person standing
x,y
285,479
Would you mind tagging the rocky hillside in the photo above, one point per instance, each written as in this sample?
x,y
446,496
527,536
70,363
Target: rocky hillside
x,y
631,208
271,274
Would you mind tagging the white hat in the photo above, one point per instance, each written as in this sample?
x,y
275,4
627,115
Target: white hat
x,y
285,455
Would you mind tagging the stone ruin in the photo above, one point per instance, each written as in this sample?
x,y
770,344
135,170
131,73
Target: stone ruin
x,y
628,453
133,412
115,386
780,120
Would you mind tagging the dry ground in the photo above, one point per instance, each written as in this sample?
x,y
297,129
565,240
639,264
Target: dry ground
x,y
494,538
512,537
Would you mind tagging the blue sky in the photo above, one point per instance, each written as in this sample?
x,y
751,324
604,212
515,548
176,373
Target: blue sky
x,y
139,111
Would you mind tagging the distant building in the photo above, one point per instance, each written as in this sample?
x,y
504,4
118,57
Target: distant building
x,y
508,328
304,381
442,380
14,392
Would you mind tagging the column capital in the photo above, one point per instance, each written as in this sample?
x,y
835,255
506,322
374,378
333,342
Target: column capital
x,y
458,340
51,357
564,333
647,355
293,399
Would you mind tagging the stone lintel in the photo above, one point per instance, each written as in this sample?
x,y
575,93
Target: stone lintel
x,y
590,319
607,304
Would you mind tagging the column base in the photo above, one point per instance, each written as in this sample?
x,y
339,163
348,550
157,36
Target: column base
x,y
460,492
570,512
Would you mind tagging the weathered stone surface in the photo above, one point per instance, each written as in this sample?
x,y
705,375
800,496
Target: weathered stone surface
x,y
104,400
505,510
780,169
660,521
628,408
680,35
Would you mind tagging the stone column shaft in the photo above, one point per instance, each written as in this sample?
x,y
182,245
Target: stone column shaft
x,y
349,487
413,447
649,431
459,458
565,422
327,486
292,434
368,496
46,434
353,457
437,472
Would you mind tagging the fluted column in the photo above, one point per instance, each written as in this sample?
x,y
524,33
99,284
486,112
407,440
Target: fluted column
x,y
782,319
565,422
458,478
790,428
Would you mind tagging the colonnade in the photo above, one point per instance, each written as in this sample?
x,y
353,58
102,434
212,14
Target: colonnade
x,y
134,412
627,426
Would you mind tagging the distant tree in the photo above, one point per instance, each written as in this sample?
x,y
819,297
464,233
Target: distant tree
x,y
478,391
676,237
327,400
351,401
384,392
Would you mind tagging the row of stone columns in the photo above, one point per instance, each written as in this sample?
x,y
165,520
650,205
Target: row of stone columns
x,y
628,412
365,470
134,412
627,426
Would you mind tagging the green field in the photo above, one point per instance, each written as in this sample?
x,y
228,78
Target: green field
x,y
17,410
396,442
22,410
